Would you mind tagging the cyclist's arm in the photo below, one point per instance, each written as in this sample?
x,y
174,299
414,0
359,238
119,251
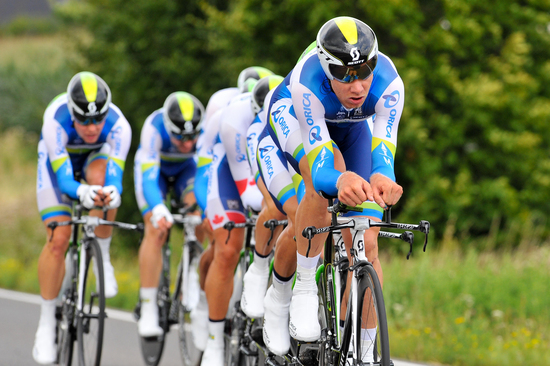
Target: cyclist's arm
x,y
310,113
233,137
119,138
55,137
384,138
149,151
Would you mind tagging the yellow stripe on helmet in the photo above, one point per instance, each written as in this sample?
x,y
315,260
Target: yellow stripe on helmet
x,y
348,28
263,72
89,85
274,81
187,106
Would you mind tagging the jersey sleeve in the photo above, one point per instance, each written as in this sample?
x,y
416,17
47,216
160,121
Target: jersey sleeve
x,y
384,138
55,138
150,147
119,138
233,128
318,148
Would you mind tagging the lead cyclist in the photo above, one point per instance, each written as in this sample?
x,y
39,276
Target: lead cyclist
x,y
346,99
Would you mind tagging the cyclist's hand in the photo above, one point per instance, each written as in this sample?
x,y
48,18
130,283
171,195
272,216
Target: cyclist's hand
x,y
353,190
112,197
161,218
89,196
386,191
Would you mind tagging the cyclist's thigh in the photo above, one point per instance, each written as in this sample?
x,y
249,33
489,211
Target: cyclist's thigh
x,y
223,199
51,202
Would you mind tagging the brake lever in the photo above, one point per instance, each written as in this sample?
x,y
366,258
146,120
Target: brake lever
x,y
230,225
425,228
408,237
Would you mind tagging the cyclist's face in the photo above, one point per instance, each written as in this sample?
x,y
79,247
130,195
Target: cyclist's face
x,y
352,95
184,146
90,133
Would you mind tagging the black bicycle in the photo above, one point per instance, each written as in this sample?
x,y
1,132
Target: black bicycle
x,y
175,306
81,315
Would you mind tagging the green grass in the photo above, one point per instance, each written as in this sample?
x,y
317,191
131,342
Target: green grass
x,y
470,308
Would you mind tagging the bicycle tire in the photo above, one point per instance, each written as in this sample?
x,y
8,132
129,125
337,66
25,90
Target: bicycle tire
x,y
91,320
153,347
190,355
370,290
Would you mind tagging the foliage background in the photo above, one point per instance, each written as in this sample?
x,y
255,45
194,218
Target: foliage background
x,y
474,136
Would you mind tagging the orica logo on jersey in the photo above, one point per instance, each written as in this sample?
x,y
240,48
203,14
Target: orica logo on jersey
x,y
112,168
306,103
279,120
391,101
240,154
59,141
315,135
265,150
250,142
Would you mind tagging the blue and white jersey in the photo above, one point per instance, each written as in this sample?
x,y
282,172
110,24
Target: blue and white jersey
x,y
157,155
67,152
323,118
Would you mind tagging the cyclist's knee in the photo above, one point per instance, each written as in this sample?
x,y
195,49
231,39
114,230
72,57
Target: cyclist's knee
x,y
95,174
227,256
57,246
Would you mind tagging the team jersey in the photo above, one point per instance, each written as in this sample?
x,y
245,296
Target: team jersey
x,y
67,152
322,117
158,155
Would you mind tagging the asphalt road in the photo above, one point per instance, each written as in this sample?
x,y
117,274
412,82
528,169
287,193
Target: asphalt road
x,y
19,313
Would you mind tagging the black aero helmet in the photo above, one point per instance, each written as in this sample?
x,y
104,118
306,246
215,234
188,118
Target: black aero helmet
x,y
89,98
182,115
347,49
262,87
252,72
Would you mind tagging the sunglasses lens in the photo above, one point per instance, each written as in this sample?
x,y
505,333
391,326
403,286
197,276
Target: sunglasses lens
x,y
347,74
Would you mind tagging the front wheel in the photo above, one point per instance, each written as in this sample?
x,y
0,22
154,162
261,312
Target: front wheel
x,y
91,318
373,340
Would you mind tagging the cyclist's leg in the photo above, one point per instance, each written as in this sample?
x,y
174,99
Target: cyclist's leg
x,y
51,263
304,324
149,256
256,278
223,205
94,173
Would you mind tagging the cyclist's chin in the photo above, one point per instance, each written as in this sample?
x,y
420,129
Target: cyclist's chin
x,y
90,139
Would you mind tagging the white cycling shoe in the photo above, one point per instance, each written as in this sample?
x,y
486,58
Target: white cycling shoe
x,y
304,307
254,288
275,327
199,322
148,323
44,351
214,353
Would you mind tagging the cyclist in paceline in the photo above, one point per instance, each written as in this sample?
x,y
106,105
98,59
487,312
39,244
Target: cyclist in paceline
x,y
278,186
83,132
208,137
166,152
347,95
227,197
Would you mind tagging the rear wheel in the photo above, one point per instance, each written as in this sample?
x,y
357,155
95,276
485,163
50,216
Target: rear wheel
x,y
373,341
90,322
